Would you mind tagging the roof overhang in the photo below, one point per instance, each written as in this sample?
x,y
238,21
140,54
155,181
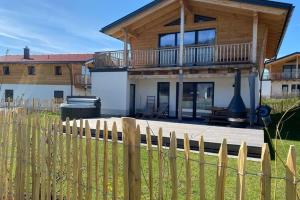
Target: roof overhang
x,y
283,59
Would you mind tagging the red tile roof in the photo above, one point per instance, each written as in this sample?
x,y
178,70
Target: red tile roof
x,y
46,58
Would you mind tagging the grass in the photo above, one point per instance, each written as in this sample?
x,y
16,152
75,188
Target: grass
x,y
290,134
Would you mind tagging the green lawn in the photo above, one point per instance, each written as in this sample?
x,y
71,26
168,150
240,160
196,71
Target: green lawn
x,y
290,136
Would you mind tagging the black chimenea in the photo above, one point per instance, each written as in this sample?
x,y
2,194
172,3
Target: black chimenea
x,y
26,53
237,110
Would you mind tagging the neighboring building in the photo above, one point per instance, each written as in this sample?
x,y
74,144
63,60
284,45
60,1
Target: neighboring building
x,y
43,77
284,75
183,54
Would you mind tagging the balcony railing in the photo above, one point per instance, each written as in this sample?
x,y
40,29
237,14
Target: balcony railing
x,y
82,81
164,57
284,76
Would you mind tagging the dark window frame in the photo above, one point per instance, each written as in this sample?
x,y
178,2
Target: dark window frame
x,y
31,70
202,19
5,70
58,94
58,71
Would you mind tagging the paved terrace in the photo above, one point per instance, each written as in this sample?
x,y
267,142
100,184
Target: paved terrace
x,y
213,135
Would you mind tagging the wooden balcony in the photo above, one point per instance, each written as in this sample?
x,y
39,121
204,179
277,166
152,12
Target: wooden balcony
x,y
284,76
82,81
169,57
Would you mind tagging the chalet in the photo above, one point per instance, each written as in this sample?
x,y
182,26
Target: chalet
x,y
43,77
284,75
183,55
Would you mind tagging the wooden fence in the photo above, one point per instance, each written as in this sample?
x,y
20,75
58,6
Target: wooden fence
x,y
39,160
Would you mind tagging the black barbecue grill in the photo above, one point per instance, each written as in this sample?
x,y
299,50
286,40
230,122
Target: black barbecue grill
x,y
81,107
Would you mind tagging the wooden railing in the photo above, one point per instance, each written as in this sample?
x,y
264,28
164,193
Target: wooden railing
x,y
81,80
284,76
41,159
193,56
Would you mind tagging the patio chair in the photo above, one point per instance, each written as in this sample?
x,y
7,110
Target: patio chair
x,y
149,110
162,111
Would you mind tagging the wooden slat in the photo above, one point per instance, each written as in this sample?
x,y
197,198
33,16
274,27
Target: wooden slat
x,y
240,182
125,133
221,171
97,159
173,166
89,189
61,164
291,174
105,162
137,163
68,159
150,157
201,169
265,180
75,160
115,162
55,146
80,155
188,176
160,164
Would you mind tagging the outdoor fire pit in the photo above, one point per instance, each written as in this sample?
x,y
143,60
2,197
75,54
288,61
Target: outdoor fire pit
x,y
81,107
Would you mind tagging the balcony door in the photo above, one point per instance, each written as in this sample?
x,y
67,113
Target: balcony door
x,y
289,71
197,99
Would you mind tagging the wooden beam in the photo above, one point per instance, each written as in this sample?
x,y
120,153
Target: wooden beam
x,y
245,6
125,33
187,6
254,37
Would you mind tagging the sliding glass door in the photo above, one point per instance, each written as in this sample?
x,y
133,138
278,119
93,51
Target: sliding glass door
x,y
197,99
163,97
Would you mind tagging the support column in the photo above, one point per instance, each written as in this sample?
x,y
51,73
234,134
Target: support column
x,y
125,48
254,38
297,67
181,52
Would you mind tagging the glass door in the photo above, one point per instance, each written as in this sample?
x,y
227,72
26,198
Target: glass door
x,y
204,99
188,100
163,96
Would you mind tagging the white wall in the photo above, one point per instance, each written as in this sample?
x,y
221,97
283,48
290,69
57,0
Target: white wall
x,y
223,91
113,89
29,91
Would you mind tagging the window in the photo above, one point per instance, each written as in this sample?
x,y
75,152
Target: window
x,y
200,19
289,71
6,70
58,70
163,96
31,70
285,89
9,95
58,94
176,22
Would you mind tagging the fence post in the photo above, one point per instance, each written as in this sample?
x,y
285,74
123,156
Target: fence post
x,y
97,158
160,164
201,169
291,173
173,167
75,159
105,162
133,164
115,161
187,167
240,181
221,171
265,180
89,190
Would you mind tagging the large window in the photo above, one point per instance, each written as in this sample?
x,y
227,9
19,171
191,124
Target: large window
x,y
201,38
285,89
289,71
163,96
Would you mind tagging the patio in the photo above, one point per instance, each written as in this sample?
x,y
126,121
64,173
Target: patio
x,y
213,135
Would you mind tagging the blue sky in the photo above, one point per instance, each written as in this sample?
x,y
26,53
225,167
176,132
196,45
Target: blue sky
x,y
72,26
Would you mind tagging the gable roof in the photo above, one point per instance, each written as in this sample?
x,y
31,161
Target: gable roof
x,y
51,58
287,57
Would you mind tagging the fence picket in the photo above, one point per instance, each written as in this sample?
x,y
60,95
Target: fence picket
x,y
115,163
291,173
61,168
221,171
187,167
105,162
241,163
201,169
173,166
55,132
265,180
97,158
75,160
89,190
137,164
80,192
160,164
68,159
150,156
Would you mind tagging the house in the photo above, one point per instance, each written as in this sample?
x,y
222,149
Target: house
x,y
43,77
284,75
183,54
